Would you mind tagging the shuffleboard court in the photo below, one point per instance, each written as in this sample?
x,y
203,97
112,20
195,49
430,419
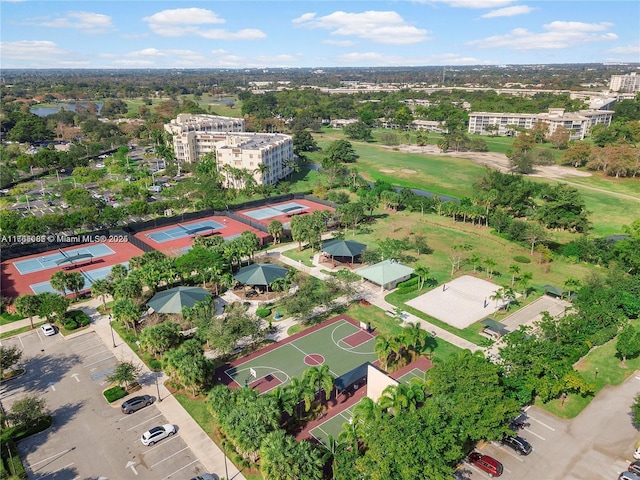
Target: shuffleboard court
x,y
50,260
325,344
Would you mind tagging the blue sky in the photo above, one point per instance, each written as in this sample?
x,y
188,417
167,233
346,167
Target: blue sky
x,y
298,33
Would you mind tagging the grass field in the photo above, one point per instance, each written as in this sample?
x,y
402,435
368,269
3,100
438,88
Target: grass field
x,y
610,371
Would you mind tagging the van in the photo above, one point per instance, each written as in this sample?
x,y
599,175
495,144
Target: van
x,y
155,188
487,464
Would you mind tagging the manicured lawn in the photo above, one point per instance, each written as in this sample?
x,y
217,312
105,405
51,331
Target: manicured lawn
x,y
610,371
18,331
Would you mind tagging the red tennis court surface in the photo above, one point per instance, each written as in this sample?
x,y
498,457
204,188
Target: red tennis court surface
x,y
177,246
309,205
14,283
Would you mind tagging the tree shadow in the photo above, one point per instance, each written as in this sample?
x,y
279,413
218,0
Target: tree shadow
x,y
42,371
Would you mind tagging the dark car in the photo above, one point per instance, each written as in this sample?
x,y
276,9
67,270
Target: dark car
x,y
519,444
136,403
635,467
486,463
628,476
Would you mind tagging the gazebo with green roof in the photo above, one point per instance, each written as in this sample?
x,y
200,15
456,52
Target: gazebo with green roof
x,y
387,274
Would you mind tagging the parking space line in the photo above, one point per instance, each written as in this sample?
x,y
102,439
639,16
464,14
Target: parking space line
x,y
173,437
543,424
507,451
99,353
99,361
49,474
180,469
534,433
52,456
167,458
90,348
142,423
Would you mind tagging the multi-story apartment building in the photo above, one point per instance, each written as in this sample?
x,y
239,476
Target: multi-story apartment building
x,y
195,135
237,153
578,123
247,152
629,83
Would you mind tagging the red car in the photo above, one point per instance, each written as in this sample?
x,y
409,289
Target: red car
x,y
486,463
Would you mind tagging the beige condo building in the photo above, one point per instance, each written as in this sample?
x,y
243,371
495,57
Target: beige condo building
x,y
577,123
236,150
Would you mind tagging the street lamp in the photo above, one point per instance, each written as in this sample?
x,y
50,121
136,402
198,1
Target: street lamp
x,y
113,339
224,452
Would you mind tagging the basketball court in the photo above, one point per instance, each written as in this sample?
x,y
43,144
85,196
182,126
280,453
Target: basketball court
x,y
341,343
460,302
334,425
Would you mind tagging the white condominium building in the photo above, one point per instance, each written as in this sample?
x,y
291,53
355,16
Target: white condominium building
x,y
625,83
578,123
195,135
246,152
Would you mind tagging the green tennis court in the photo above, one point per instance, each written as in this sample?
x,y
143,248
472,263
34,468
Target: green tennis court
x,y
339,343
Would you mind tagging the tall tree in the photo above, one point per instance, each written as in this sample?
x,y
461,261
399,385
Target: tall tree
x,y
628,343
28,306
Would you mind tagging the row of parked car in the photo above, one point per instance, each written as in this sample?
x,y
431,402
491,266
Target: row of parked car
x,y
155,434
492,466
633,471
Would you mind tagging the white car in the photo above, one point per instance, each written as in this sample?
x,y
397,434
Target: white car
x,y
636,454
48,329
157,433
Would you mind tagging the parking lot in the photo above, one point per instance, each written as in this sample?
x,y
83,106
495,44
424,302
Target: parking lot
x,y
597,444
89,438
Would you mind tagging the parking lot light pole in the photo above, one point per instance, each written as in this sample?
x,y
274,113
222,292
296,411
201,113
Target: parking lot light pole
x,y
113,338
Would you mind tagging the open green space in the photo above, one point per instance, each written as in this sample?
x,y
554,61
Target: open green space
x,y
602,367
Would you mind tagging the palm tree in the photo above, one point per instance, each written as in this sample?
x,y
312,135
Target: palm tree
x,y
117,272
58,282
514,269
571,284
302,394
366,411
102,288
383,349
423,274
523,283
490,264
320,378
275,230
285,399
413,336
475,260
498,295
75,281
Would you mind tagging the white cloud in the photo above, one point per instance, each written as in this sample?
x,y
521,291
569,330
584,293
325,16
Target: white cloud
x,y
184,16
476,4
181,22
279,60
509,11
625,49
339,43
32,50
377,26
90,22
559,34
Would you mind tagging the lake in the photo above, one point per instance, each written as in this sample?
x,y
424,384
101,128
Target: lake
x,y
44,111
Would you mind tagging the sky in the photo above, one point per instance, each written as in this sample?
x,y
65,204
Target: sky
x,y
299,33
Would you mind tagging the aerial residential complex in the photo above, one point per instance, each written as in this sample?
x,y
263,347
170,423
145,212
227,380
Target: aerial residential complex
x,y
197,135
578,123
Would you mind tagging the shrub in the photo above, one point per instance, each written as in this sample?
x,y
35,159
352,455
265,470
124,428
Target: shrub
x,y
522,259
263,312
408,285
70,324
114,393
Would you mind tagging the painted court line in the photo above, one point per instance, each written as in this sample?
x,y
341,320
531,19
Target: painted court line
x,y
306,355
